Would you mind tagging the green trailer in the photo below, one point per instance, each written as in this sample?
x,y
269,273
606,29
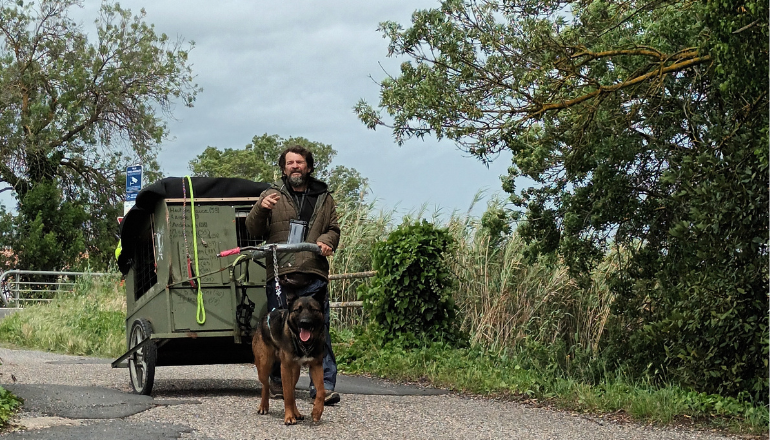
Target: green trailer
x,y
186,302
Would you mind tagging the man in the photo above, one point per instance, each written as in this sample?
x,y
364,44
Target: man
x,y
299,208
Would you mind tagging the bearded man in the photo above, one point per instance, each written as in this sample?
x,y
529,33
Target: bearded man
x,y
299,208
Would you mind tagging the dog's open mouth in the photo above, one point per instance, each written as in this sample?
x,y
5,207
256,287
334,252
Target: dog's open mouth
x,y
304,334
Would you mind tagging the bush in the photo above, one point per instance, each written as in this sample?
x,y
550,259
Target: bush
x,y
410,297
8,405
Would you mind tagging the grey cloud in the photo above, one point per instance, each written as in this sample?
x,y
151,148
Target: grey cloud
x,y
297,68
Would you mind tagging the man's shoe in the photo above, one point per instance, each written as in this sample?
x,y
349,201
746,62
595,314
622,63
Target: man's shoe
x,y
331,397
276,390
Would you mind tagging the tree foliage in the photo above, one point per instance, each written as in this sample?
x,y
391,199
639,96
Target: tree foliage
x,y
643,124
75,109
50,242
258,161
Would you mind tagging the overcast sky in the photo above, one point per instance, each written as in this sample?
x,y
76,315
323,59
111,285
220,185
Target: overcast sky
x,y
297,68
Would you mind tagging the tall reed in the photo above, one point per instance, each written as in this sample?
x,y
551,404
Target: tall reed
x,y
361,226
502,299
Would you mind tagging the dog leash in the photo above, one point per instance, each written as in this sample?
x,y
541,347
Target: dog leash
x,y
278,294
277,284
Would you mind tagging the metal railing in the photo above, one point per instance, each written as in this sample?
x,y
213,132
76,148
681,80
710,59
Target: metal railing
x,y
15,291
37,285
349,276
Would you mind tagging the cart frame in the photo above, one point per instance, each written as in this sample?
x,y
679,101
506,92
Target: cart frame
x,y
186,304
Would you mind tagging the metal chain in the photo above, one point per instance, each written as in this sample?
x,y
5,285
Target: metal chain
x,y
275,274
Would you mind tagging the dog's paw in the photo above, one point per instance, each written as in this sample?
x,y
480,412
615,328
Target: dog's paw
x,y
289,420
262,411
298,416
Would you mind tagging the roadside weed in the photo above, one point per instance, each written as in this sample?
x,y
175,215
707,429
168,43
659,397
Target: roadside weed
x,y
88,322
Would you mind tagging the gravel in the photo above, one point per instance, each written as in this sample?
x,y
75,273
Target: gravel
x,y
220,401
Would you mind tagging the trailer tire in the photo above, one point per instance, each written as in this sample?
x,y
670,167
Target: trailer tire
x,y
141,364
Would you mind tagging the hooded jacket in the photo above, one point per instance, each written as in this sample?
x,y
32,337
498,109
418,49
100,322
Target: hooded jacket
x,y
273,226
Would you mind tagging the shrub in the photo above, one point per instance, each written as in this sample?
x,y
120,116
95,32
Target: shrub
x,y
410,297
8,405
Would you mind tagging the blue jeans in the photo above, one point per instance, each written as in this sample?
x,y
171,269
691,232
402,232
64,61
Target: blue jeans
x,y
329,362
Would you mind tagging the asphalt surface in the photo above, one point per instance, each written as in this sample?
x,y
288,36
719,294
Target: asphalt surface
x,y
68,397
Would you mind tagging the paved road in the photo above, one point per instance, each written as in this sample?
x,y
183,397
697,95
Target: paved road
x,y
77,398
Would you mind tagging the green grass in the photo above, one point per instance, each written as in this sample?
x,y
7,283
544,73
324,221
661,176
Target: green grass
x,y
505,374
88,322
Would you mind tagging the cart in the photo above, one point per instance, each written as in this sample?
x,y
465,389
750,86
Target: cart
x,y
191,299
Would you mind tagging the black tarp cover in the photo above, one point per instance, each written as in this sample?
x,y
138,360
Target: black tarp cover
x,y
171,188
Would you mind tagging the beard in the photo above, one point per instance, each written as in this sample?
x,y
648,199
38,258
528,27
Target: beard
x,y
297,180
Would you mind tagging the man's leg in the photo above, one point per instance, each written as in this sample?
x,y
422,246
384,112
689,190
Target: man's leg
x,y
330,361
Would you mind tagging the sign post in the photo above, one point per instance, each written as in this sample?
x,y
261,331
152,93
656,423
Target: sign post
x,y
133,186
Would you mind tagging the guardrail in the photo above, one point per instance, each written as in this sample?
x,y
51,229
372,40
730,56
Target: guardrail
x,y
349,276
16,291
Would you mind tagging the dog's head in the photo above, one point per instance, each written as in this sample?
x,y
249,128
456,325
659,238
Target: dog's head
x,y
306,317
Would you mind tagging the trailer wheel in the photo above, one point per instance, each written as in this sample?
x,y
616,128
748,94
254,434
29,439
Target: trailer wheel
x,y
141,364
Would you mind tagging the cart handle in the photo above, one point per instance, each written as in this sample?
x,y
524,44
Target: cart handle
x,y
267,249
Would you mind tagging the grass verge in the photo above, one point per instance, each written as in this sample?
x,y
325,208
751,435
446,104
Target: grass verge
x,y
88,322
510,375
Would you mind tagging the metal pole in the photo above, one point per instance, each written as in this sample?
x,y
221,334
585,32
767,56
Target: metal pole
x,y
345,304
352,276
349,276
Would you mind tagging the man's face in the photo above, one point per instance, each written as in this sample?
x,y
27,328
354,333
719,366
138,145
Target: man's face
x,y
296,169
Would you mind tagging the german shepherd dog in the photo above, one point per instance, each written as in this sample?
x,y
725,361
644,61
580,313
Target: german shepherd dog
x,y
295,336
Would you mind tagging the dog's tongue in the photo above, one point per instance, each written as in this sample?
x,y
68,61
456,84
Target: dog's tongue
x,y
304,335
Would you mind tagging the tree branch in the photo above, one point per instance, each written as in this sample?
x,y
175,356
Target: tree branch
x,y
538,110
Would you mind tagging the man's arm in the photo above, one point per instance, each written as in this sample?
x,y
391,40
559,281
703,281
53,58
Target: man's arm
x,y
330,238
257,222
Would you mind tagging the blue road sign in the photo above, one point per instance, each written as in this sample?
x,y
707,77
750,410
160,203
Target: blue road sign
x,y
131,197
133,178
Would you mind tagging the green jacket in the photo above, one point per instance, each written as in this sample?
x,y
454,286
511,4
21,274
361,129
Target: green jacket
x,y
273,226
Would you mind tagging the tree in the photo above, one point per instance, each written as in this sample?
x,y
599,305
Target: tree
x,y
644,125
75,110
258,161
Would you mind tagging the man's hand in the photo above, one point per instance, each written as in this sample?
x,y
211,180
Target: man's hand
x,y
325,250
269,201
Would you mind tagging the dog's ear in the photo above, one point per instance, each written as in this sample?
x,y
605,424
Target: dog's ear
x,y
320,296
291,296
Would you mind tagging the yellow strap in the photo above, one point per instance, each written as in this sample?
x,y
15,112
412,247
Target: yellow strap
x,y
200,314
